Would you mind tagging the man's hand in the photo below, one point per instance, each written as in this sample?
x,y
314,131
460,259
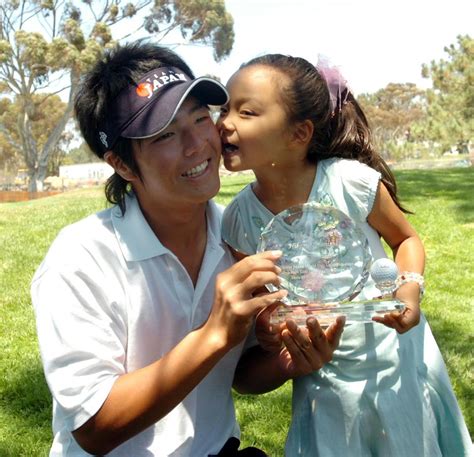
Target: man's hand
x,y
235,306
296,351
308,349
301,350
269,335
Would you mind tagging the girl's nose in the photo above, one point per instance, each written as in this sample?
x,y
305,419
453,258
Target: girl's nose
x,y
223,122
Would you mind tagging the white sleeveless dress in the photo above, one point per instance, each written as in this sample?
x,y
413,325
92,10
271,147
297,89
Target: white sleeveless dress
x,y
383,394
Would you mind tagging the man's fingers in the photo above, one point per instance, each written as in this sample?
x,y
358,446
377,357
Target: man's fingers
x,y
320,341
263,261
334,332
299,360
311,344
257,279
262,301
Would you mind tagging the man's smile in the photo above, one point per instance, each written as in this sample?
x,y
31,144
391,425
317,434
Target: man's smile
x,y
197,170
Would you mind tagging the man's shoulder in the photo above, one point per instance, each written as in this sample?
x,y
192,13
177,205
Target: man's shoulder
x,y
78,244
95,229
90,227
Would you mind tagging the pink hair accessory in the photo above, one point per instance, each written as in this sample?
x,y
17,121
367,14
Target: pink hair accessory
x,y
336,83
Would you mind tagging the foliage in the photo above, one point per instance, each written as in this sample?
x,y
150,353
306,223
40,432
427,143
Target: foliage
x,y
80,154
43,41
45,112
444,217
198,20
392,112
408,122
450,118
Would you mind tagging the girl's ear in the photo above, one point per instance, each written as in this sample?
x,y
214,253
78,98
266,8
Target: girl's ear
x,y
303,132
119,166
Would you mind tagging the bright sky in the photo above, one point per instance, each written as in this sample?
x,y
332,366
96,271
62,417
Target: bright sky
x,y
374,42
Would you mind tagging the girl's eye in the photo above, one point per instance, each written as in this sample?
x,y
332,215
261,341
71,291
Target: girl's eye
x,y
247,112
224,110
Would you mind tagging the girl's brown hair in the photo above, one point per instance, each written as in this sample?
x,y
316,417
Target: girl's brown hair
x,y
344,132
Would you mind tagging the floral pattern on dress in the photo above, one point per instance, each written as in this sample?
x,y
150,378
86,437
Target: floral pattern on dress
x,y
257,221
323,199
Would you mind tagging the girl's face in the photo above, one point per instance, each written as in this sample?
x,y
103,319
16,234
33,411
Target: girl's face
x,y
254,126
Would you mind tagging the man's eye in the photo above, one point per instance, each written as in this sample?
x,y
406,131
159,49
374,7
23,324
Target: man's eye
x,y
164,136
203,118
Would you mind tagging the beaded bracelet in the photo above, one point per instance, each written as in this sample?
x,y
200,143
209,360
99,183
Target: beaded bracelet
x,y
410,276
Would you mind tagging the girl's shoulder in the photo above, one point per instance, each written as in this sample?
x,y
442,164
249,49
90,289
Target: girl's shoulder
x,y
349,169
241,224
352,182
241,198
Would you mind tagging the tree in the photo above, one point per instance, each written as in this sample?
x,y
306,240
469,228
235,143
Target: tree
x,y
59,154
80,154
68,39
392,112
48,110
10,159
451,101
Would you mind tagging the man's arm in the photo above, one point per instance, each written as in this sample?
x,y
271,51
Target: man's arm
x,y
141,398
302,352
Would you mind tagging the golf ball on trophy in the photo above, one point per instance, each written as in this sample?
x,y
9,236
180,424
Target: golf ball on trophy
x,y
384,272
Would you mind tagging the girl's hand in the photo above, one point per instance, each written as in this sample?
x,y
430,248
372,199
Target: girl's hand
x,y
402,321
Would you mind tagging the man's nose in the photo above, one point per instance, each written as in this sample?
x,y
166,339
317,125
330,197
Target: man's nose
x,y
194,141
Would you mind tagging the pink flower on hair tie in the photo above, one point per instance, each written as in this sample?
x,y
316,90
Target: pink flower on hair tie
x,y
336,83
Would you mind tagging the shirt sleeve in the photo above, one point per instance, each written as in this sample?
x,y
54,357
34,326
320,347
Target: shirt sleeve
x,y
234,231
360,186
82,337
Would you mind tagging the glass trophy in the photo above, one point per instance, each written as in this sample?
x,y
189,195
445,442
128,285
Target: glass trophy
x,y
324,266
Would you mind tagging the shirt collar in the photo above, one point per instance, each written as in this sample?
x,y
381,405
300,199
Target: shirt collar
x,y
138,241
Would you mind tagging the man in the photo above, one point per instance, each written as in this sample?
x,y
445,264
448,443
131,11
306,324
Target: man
x,y
142,315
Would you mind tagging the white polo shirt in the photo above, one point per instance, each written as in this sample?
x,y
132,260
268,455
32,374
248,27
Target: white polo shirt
x,y
109,299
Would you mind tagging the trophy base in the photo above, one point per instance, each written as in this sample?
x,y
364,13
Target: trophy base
x,y
326,314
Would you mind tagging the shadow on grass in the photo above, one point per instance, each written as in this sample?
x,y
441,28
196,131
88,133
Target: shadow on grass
x,y
454,184
265,419
454,339
26,413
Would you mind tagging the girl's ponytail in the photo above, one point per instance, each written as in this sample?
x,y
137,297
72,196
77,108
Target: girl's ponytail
x,y
350,137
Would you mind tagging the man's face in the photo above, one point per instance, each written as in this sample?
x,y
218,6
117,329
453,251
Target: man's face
x,y
180,165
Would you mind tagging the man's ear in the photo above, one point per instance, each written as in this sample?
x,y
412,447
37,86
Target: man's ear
x,y
119,166
303,132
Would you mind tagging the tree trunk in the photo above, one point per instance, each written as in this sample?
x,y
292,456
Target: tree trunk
x,y
37,161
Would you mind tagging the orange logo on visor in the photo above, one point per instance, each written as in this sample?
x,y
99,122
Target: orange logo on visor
x,y
145,90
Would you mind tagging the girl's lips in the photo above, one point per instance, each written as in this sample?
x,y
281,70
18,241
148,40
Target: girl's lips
x,y
228,148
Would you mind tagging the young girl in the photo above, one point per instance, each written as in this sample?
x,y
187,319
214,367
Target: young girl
x,y
301,131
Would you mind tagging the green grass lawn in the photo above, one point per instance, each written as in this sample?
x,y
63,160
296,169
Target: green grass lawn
x,y
444,206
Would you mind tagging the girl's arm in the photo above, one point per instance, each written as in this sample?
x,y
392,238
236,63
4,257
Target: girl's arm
x,y
408,253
